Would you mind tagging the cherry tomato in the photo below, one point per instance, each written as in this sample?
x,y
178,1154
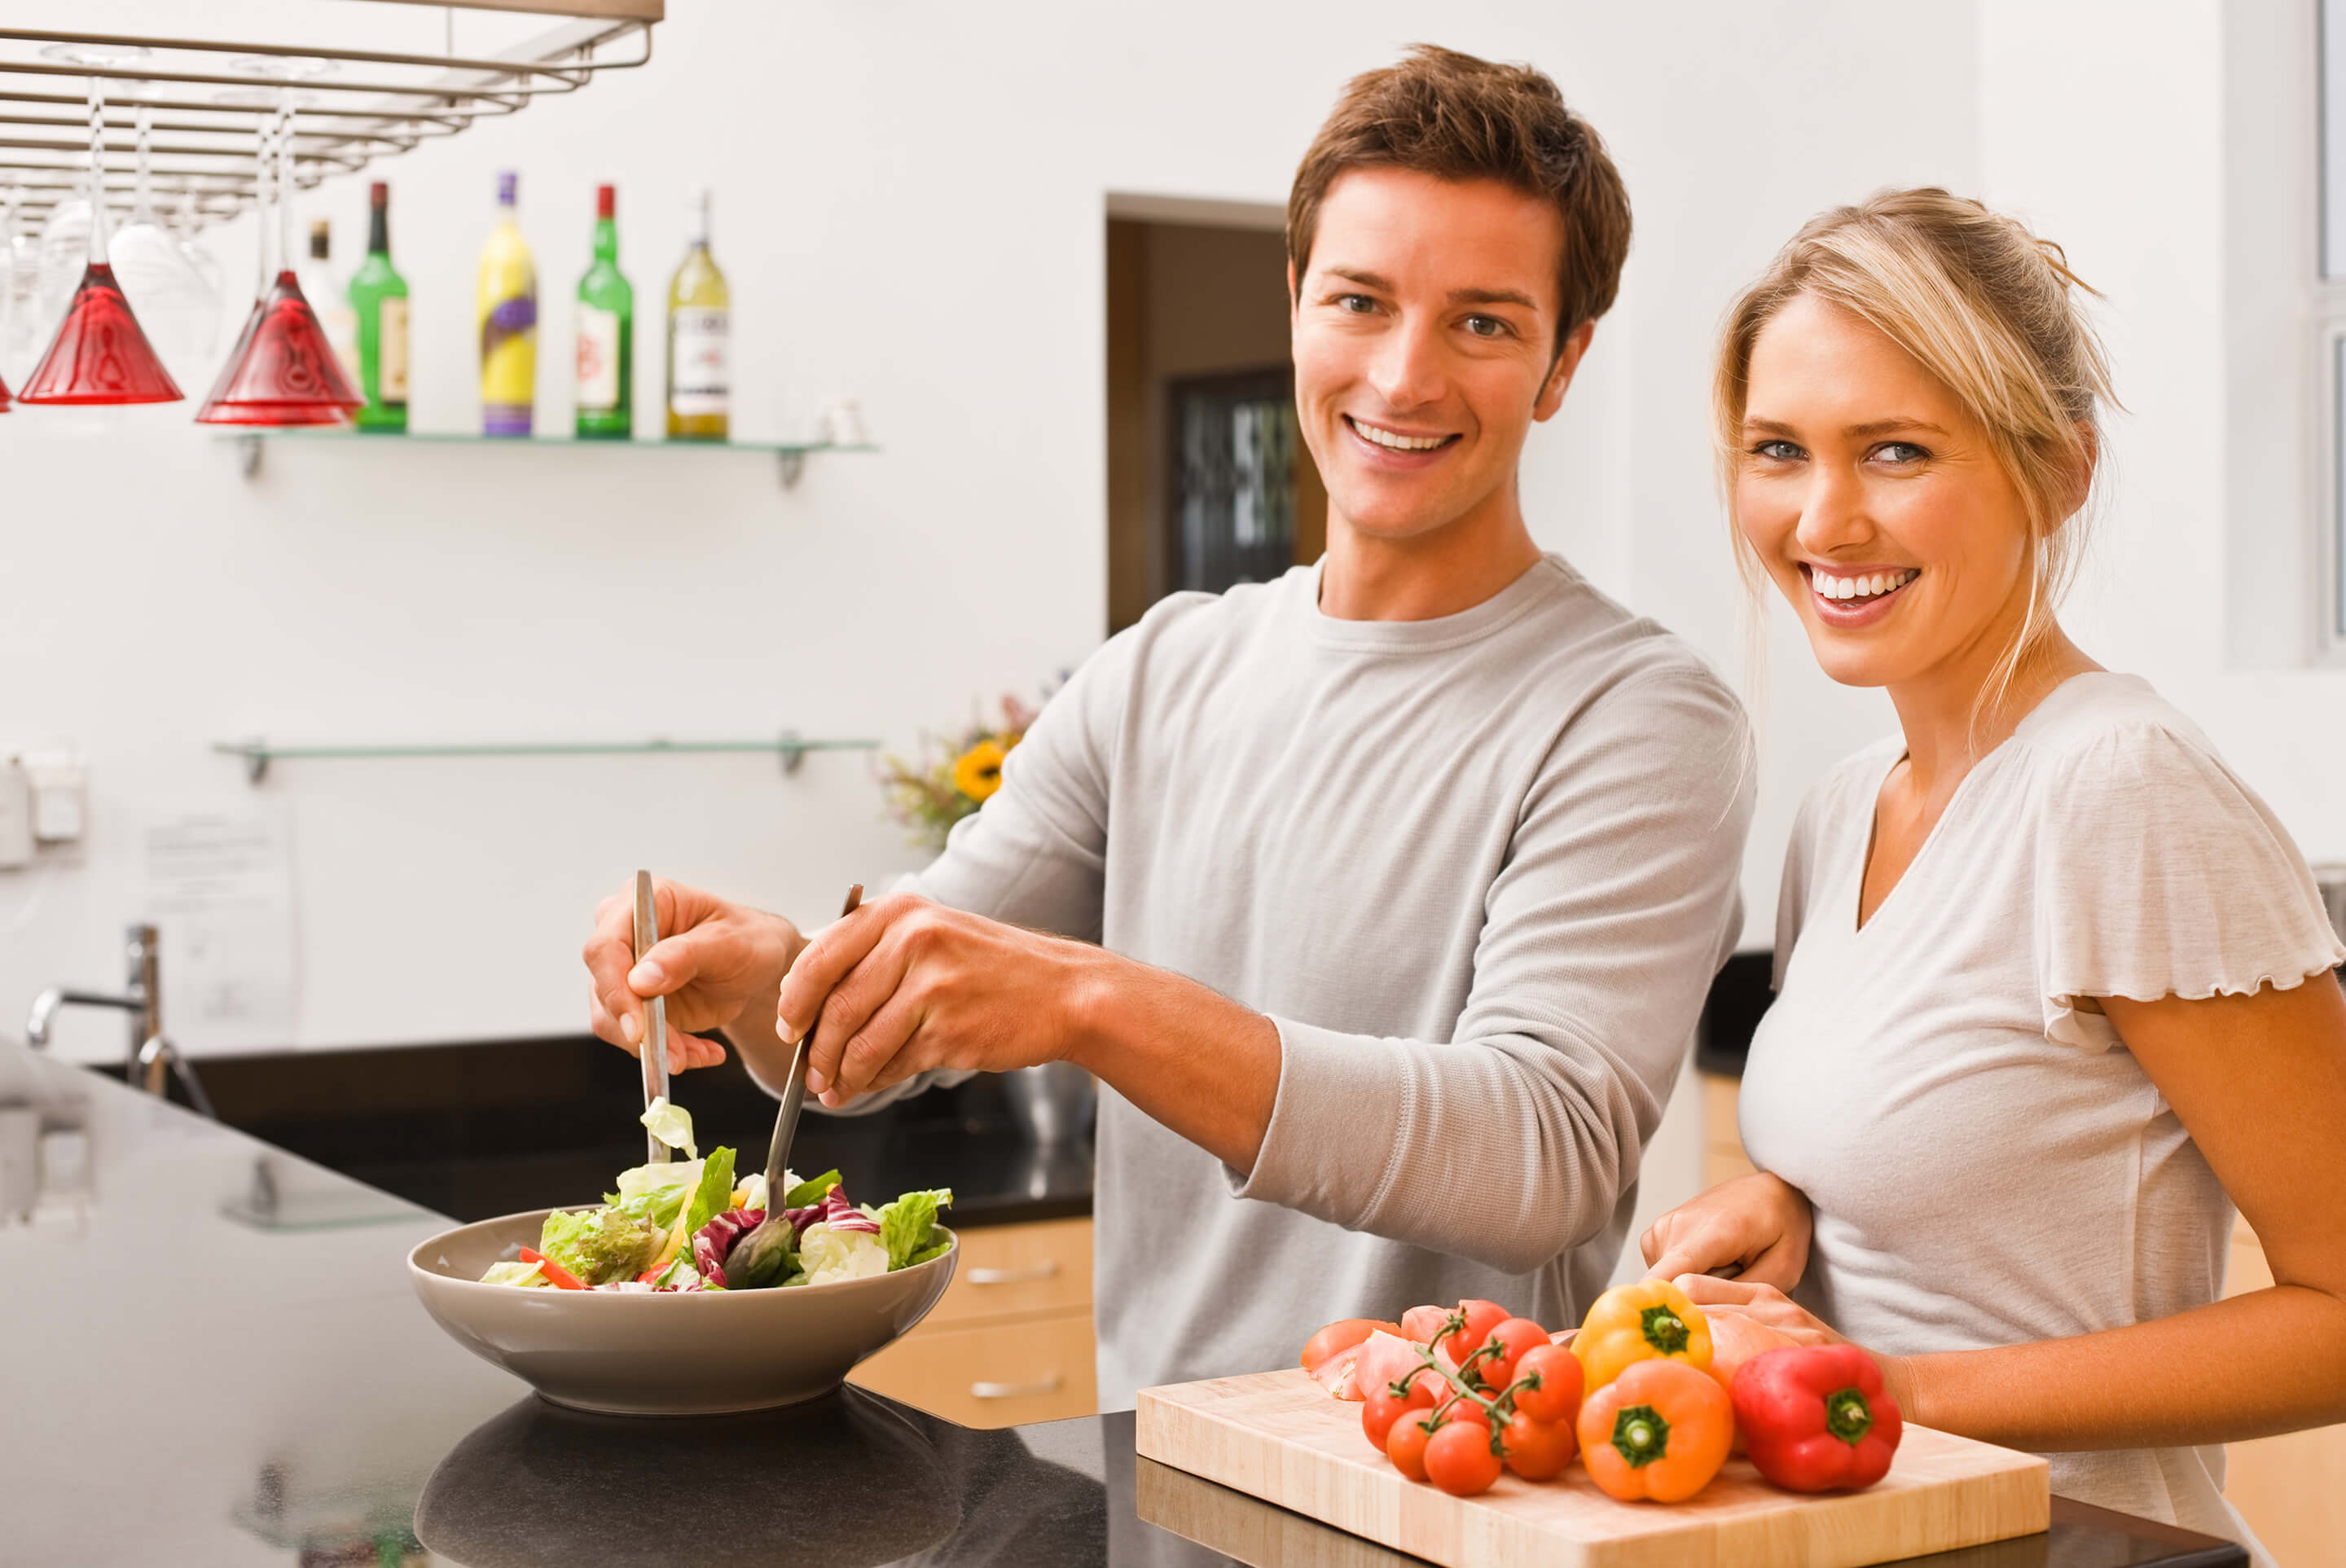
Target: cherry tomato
x,y
1481,1316
1514,1338
1537,1450
1464,1411
1458,1458
1557,1399
1382,1408
1407,1443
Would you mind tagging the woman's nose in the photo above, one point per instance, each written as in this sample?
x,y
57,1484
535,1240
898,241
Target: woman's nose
x,y
1832,513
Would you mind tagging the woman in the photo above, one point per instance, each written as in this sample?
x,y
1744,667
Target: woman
x,y
2053,987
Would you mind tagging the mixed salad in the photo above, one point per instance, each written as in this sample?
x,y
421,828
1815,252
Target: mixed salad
x,y
671,1226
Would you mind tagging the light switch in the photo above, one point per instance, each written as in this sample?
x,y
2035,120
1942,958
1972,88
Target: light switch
x,y
16,817
60,785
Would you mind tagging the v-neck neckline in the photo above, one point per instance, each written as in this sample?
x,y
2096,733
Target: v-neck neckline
x,y
1860,923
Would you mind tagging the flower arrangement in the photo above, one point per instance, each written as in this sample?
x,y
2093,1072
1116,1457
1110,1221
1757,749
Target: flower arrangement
x,y
951,776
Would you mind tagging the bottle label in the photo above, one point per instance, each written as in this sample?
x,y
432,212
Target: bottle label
x,y
390,351
508,364
599,359
700,379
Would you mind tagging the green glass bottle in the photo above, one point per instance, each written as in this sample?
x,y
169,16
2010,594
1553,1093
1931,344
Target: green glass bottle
x,y
606,334
378,296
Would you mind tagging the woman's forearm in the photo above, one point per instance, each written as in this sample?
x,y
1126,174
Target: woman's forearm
x,y
2270,1361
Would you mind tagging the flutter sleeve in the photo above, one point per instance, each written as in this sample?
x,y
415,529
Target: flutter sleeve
x,y
2160,873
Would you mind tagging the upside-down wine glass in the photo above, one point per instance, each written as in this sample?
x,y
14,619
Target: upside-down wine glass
x,y
99,355
282,370
179,307
7,282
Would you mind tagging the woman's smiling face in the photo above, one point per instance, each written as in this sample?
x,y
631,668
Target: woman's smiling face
x,y
1875,503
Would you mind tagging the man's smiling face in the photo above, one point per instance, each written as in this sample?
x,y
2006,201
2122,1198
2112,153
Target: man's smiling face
x,y
1425,345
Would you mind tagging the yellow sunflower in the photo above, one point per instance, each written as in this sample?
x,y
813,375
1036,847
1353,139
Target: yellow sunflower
x,y
977,773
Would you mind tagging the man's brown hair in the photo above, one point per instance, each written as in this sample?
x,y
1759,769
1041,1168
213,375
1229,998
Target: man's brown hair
x,y
1455,116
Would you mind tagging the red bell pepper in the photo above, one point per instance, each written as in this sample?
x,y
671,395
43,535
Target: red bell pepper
x,y
561,1279
1816,1418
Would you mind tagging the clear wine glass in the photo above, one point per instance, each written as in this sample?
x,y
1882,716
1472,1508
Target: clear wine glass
x,y
186,227
20,344
179,308
99,355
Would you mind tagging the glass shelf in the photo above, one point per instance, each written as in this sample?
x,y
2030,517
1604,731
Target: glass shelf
x,y
792,749
792,454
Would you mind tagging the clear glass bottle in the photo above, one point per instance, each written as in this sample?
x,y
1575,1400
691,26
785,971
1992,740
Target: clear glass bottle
x,y
699,344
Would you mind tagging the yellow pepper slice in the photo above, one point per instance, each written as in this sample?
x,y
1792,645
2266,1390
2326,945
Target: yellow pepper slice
x,y
1649,1320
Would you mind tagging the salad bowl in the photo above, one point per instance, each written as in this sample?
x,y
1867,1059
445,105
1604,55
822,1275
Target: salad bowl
x,y
673,1353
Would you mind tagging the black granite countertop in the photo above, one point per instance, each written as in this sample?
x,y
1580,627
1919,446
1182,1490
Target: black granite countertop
x,y
191,1377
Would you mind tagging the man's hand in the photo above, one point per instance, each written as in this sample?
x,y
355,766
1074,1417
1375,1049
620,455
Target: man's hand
x,y
718,964
1759,1224
904,985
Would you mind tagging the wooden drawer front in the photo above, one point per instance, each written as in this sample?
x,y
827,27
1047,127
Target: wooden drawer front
x,y
994,1374
1007,1269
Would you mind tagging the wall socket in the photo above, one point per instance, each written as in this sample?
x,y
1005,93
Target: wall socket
x,y
15,816
60,786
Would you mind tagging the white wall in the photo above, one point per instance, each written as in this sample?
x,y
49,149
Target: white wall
x,y
910,207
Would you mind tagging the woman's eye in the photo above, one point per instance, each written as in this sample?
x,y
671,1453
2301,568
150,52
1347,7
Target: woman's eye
x,y
1899,452
1777,451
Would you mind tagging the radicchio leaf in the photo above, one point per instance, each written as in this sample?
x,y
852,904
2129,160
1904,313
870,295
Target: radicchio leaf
x,y
714,1242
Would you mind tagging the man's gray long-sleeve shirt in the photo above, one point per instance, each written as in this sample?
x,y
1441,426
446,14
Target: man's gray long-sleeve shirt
x,y
1479,871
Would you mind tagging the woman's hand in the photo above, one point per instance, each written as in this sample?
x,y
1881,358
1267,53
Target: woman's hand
x,y
1770,1307
714,962
1757,1225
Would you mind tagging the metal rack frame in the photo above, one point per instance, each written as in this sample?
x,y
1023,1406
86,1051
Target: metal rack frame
x,y
201,149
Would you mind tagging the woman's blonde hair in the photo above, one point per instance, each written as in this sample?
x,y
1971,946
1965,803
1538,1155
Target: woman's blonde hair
x,y
1989,309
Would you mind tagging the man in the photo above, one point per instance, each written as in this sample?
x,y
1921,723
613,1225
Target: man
x,y
1381,899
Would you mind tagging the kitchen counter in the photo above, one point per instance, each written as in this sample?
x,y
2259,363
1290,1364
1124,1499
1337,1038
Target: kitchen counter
x,y
193,1376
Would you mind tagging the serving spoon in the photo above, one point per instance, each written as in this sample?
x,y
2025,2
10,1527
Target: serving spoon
x,y
774,1231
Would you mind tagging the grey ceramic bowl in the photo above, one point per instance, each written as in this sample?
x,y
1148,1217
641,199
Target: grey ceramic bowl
x,y
680,1354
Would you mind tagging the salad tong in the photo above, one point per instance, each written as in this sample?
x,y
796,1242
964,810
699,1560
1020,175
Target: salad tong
x,y
751,1251
654,1049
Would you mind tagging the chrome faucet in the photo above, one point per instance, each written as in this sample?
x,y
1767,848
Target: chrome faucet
x,y
151,1055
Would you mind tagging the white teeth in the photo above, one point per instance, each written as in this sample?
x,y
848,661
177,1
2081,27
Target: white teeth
x,y
1399,443
1832,587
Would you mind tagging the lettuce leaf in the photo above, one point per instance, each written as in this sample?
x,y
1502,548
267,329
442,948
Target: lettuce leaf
x,y
601,1244
934,1250
714,1195
908,1226
811,1191
671,1125
656,1192
515,1272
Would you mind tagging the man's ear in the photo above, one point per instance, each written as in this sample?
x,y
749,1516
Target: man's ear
x,y
1559,375
1291,288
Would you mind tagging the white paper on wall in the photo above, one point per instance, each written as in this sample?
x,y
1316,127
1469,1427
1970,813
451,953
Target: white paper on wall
x,y
220,885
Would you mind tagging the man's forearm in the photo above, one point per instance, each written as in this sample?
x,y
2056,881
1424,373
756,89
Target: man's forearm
x,y
1186,1055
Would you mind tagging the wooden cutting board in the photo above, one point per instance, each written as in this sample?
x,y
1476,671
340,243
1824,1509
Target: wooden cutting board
x,y
1278,1436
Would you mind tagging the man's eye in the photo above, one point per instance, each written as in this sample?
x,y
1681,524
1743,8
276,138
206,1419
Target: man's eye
x,y
1777,451
1355,304
1486,325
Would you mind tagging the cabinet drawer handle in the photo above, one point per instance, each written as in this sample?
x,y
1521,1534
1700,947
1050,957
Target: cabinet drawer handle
x,y
1027,1276
1049,1385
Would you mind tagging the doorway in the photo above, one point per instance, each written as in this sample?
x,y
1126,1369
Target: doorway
x,y
1208,482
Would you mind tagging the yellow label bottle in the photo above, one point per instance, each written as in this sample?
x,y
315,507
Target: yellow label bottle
x,y
699,344
509,322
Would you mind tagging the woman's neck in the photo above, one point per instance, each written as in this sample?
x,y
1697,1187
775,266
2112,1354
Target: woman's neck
x,y
1950,718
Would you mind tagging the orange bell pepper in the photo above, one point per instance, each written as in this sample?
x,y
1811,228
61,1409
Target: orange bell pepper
x,y
1645,1321
1657,1431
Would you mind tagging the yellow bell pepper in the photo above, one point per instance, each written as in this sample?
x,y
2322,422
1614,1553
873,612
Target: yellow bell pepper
x,y
1649,1320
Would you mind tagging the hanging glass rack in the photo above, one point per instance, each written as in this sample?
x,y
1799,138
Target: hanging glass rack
x,y
369,103
790,748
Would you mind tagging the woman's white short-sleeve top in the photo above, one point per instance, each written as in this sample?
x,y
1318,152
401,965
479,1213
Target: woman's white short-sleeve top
x,y
1987,1163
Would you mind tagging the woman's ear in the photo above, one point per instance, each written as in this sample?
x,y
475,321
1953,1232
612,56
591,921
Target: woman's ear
x,y
2081,466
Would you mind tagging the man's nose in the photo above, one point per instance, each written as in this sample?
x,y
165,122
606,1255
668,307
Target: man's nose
x,y
1408,370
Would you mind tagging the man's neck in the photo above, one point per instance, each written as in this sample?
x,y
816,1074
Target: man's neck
x,y
1367,578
